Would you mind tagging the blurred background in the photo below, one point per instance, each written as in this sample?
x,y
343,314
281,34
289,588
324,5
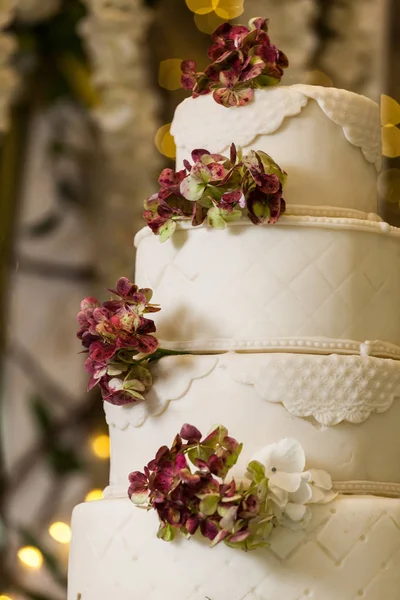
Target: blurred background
x,y
88,90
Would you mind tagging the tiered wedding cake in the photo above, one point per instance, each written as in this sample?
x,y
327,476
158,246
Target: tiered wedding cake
x,y
295,330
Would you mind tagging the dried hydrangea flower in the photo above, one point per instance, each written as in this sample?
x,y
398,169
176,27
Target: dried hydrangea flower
x,y
243,59
186,486
114,334
218,189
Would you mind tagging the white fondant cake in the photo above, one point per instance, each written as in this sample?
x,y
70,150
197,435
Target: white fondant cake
x,y
305,277
350,550
310,308
327,139
327,403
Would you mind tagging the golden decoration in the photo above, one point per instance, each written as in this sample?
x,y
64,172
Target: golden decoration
x,y
164,141
169,73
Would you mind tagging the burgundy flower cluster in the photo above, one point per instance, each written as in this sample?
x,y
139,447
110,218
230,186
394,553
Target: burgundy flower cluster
x,y
185,485
243,59
113,334
219,189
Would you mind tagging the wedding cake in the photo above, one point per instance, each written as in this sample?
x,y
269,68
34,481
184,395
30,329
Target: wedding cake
x,y
281,321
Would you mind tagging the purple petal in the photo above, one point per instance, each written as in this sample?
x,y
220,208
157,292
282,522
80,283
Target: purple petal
x,y
209,529
190,433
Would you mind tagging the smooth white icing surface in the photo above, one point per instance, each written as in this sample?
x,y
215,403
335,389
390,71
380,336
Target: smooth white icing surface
x,y
333,405
306,278
328,140
351,549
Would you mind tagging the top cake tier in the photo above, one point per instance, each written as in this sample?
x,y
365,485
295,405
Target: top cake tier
x,y
328,140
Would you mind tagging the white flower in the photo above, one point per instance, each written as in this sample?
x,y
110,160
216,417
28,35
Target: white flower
x,y
291,488
284,463
320,485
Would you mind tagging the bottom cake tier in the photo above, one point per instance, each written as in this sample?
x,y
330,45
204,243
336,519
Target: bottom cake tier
x,y
350,550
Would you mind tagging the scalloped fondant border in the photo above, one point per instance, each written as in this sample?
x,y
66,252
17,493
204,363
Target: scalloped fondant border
x,y
283,102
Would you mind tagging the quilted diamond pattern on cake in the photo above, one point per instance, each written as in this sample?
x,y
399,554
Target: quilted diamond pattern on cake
x,y
310,566
295,282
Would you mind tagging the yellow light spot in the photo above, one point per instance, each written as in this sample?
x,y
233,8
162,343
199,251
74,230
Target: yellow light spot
x,y
389,186
390,111
391,141
31,557
165,142
169,73
5,597
208,23
229,9
317,78
202,7
61,532
94,495
101,446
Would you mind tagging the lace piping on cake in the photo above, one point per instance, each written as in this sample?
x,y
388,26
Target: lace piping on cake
x,y
353,488
319,217
296,345
356,115
331,389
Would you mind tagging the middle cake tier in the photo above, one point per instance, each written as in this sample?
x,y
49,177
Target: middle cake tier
x,y
308,284
344,411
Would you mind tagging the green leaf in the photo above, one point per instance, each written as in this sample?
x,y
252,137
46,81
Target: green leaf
x,y
261,210
214,218
166,532
255,471
234,215
167,230
209,504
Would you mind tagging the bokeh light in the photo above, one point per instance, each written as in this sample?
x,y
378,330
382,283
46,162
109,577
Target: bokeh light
x,y
390,111
94,495
389,186
169,73
229,9
60,532
164,141
202,7
5,597
390,118
30,557
101,446
208,23
390,141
